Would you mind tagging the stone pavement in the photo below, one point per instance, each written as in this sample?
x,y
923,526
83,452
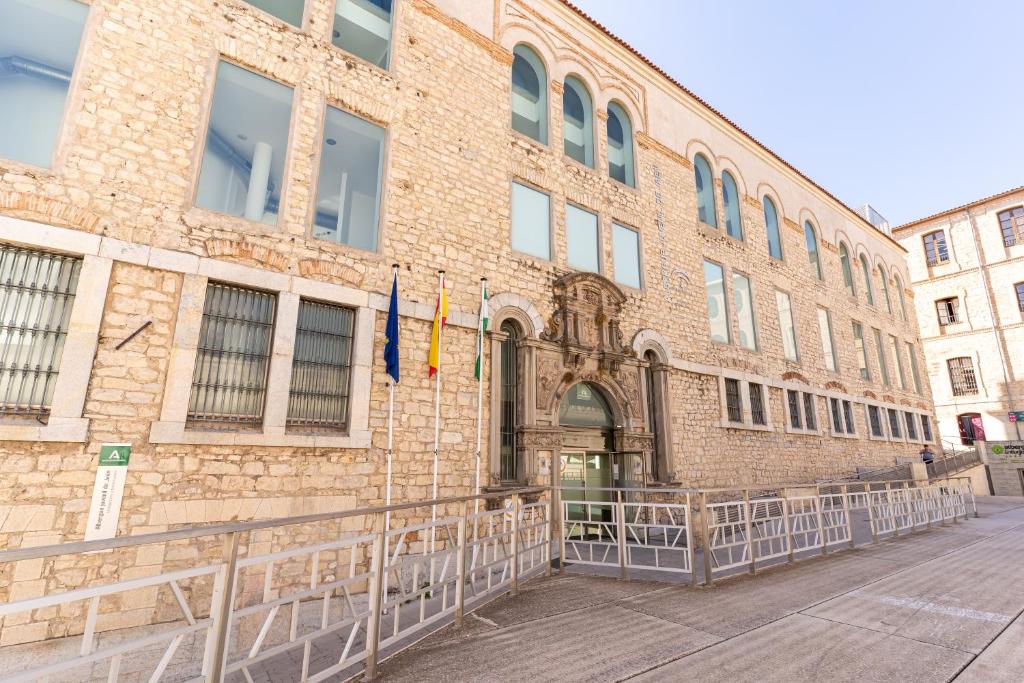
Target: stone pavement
x,y
938,605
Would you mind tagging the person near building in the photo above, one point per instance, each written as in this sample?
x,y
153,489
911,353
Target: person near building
x,y
927,455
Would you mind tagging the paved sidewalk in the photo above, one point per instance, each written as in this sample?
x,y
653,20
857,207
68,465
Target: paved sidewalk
x,y
939,605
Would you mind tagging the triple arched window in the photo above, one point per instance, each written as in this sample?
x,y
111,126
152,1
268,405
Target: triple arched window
x,y
813,254
705,191
771,222
578,122
731,204
529,94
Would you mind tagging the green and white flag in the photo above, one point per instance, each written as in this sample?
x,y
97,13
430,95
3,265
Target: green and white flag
x,y
485,320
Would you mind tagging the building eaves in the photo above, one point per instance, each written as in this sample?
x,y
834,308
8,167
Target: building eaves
x,y
962,207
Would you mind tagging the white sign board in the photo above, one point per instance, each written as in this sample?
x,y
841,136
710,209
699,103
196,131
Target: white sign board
x,y
108,491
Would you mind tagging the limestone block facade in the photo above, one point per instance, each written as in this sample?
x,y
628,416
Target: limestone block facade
x,y
969,290
120,193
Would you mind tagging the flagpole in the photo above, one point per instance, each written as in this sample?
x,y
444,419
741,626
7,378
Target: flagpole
x,y
479,401
437,406
390,453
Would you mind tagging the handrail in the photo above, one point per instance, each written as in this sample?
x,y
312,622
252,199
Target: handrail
x,y
74,547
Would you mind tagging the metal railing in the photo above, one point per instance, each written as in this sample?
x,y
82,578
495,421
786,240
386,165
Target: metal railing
x,y
299,598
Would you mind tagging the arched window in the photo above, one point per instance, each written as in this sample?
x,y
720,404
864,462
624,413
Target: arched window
x,y
771,222
900,297
844,260
705,191
813,255
869,291
885,288
731,200
620,145
508,418
529,94
585,406
578,122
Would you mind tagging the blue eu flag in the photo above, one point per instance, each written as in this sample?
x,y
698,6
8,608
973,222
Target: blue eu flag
x,y
391,334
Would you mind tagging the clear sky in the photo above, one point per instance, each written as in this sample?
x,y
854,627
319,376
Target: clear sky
x,y
913,106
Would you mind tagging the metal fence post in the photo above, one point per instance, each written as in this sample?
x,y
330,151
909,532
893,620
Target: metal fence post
x,y
688,518
849,513
620,531
377,568
705,523
562,514
871,514
514,566
460,568
215,657
750,531
974,503
552,506
821,521
787,522
892,509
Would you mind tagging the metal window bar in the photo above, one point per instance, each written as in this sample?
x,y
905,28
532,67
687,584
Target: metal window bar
x,y
509,469
926,428
321,367
961,376
894,422
848,416
837,419
911,425
810,412
794,408
876,421
230,379
37,290
732,400
1012,224
757,415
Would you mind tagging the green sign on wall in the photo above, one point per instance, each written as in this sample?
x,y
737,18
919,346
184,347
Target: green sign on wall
x,y
115,454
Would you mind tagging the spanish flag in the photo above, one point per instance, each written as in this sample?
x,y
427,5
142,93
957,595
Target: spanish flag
x,y
440,318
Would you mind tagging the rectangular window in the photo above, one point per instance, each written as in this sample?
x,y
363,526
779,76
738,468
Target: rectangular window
x,y
321,366
757,414
363,28
875,421
626,255
39,42
861,349
785,306
835,409
828,349
733,403
233,358
848,415
718,312
894,343
894,423
810,412
793,398
531,221
1012,224
926,428
37,291
1020,294
348,187
961,376
743,300
948,310
285,10
911,421
582,239
246,144
883,366
915,373
935,248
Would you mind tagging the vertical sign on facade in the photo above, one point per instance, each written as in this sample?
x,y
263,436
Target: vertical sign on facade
x,y
108,491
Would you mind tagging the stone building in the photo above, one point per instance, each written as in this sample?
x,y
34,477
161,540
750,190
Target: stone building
x,y
200,203
967,272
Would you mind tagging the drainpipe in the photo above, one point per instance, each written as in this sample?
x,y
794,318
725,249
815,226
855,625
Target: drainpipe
x,y
983,276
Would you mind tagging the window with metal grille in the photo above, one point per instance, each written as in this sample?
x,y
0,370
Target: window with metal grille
x,y
875,420
508,466
321,366
36,293
894,422
733,405
1012,223
837,416
935,248
230,380
810,412
757,415
1020,294
948,310
848,417
961,376
793,397
926,428
911,425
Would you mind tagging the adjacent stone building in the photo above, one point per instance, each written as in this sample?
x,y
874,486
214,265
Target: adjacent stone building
x,y
200,203
967,272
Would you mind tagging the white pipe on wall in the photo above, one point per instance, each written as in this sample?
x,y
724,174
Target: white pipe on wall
x,y
259,178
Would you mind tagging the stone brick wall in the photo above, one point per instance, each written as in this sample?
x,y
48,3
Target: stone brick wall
x,y
126,168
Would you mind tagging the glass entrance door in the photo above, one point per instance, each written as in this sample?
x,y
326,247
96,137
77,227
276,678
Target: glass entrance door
x,y
584,474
